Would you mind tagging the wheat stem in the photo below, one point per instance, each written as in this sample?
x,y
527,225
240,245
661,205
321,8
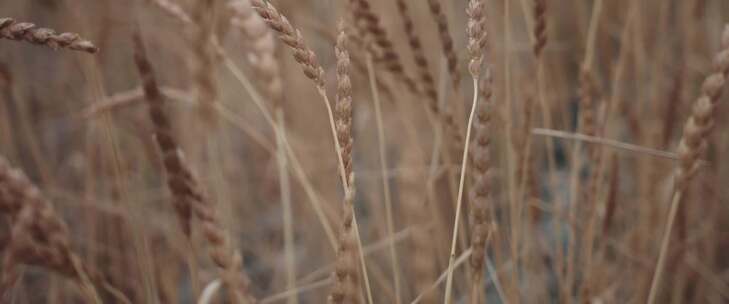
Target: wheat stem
x,y
459,201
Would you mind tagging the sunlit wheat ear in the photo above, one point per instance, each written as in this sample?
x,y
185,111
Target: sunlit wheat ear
x,y
29,32
188,197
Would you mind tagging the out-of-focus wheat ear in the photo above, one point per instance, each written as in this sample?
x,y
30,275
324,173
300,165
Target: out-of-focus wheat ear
x,y
29,32
481,193
293,38
446,41
540,27
203,73
188,198
377,41
346,274
263,49
693,145
39,236
421,61
701,122
343,103
177,176
426,78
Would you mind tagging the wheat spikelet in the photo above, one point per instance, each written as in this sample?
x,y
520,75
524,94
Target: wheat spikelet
x,y
426,78
292,37
29,32
481,193
377,41
696,130
189,199
446,41
343,104
183,190
427,82
540,27
421,62
346,277
476,36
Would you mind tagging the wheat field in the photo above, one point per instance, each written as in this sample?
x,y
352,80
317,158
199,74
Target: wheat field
x,y
364,151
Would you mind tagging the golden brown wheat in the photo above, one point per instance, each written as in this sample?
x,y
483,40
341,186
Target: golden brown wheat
x,y
29,32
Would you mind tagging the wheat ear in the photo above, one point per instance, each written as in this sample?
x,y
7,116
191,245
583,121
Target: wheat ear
x,y
446,40
368,24
476,45
693,144
346,274
189,198
29,32
307,59
38,235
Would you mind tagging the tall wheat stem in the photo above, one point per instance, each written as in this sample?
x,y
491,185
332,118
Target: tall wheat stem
x,y
459,201
385,181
